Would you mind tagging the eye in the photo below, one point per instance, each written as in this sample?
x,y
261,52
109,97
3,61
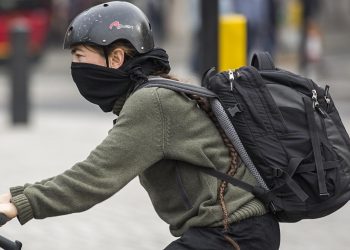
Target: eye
x,y
77,54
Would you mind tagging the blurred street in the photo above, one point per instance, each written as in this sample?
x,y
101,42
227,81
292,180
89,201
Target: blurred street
x,y
64,128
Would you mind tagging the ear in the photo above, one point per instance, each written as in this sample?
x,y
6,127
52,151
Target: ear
x,y
116,58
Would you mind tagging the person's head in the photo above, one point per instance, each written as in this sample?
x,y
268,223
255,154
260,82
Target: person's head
x,y
111,32
113,52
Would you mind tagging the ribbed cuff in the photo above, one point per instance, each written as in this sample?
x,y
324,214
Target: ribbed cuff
x,y
25,212
252,208
16,190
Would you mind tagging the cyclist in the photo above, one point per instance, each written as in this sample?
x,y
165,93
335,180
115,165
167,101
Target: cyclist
x,y
159,135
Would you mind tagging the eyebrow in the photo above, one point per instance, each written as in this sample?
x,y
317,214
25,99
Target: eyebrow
x,y
74,50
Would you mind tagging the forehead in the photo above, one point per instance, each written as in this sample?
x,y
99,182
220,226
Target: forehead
x,y
84,48
78,47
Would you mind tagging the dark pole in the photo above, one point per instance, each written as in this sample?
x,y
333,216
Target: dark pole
x,y
209,35
19,72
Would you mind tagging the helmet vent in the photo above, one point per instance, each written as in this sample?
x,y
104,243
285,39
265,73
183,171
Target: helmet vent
x,y
70,30
105,5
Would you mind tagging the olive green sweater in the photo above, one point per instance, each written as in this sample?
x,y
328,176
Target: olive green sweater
x,y
157,132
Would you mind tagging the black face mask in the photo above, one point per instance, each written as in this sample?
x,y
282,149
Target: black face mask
x,y
105,86
100,85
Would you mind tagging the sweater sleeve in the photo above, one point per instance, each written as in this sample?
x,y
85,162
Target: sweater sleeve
x,y
135,143
18,190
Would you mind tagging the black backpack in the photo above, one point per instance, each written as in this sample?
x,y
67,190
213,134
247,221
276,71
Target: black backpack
x,y
287,131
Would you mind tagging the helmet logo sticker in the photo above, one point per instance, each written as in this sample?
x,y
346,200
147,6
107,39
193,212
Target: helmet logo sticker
x,y
119,26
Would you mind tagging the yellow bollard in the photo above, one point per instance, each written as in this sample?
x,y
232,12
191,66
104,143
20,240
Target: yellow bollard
x,y
232,41
294,13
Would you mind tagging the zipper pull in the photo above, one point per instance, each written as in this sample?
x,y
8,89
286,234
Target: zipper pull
x,y
231,77
315,103
326,95
238,75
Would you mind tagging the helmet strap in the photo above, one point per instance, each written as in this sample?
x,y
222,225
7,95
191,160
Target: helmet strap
x,y
106,55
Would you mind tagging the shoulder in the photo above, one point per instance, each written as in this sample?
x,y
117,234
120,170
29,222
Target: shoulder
x,y
140,109
144,97
154,97
143,103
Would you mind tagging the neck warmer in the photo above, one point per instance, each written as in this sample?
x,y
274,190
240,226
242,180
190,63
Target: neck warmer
x,y
105,86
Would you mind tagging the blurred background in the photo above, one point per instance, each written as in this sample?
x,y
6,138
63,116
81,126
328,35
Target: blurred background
x,y
46,126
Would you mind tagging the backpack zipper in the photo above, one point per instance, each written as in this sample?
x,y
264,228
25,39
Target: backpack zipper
x,y
314,98
326,96
316,104
232,75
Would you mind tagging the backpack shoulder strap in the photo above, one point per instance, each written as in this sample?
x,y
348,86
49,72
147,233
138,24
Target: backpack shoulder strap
x,y
262,60
264,195
179,86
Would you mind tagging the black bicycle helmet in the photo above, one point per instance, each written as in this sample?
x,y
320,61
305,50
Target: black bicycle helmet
x,y
105,23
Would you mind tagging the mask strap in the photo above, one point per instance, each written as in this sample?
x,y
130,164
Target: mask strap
x,y
106,56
